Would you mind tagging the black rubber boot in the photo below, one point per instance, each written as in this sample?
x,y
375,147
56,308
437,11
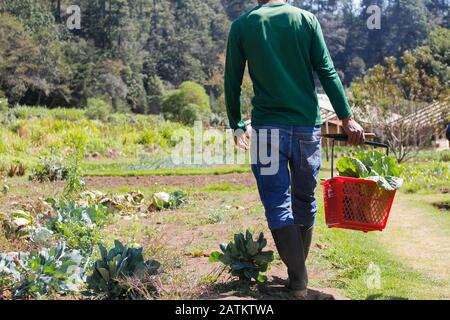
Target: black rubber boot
x,y
289,244
306,236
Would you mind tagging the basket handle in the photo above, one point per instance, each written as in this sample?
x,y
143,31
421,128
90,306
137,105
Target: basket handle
x,y
343,137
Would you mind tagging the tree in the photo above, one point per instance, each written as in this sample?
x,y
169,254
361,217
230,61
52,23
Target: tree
x,y
189,101
389,92
434,56
17,49
35,15
235,8
407,26
155,93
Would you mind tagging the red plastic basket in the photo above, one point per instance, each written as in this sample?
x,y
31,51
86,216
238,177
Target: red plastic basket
x,y
355,204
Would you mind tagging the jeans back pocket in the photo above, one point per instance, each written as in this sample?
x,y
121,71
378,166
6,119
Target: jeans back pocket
x,y
311,154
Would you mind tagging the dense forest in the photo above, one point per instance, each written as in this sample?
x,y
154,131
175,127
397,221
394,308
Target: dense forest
x,y
130,52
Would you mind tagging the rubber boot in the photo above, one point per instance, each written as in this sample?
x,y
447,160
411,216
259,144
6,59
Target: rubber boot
x,y
306,236
289,244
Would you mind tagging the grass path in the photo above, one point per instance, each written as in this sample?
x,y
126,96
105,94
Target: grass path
x,y
419,235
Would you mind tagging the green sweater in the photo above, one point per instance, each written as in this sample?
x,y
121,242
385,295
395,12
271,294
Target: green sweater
x,y
283,46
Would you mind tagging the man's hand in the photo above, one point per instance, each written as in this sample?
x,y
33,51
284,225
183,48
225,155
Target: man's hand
x,y
242,139
354,131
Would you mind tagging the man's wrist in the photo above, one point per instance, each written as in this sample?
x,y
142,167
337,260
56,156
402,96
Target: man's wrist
x,y
347,120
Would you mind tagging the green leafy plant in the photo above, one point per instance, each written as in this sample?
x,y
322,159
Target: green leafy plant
x,y
79,226
97,109
39,273
245,257
163,200
18,224
427,177
372,166
75,183
50,169
72,211
8,273
108,279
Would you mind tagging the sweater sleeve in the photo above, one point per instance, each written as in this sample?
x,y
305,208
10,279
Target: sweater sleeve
x,y
323,66
234,72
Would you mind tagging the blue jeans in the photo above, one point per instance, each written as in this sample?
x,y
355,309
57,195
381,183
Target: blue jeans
x,y
288,192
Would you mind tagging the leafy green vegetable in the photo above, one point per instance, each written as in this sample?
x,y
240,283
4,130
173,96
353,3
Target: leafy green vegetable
x,y
79,226
374,166
244,257
71,211
351,167
50,169
39,273
18,224
116,266
163,200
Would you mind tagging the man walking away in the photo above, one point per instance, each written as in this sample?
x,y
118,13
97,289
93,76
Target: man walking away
x,y
283,46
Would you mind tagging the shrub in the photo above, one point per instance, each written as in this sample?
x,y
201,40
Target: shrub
x,y
155,94
190,113
244,257
109,278
188,102
152,138
97,109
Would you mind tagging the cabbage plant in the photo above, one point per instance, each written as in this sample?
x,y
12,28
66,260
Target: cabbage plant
x,y
244,257
39,273
164,200
110,273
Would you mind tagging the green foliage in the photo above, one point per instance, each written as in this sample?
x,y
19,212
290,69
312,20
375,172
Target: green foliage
x,y
108,279
189,114
39,137
39,273
245,257
125,48
97,109
18,224
79,226
444,156
50,169
155,94
187,104
373,166
427,177
75,183
217,215
3,105
173,200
